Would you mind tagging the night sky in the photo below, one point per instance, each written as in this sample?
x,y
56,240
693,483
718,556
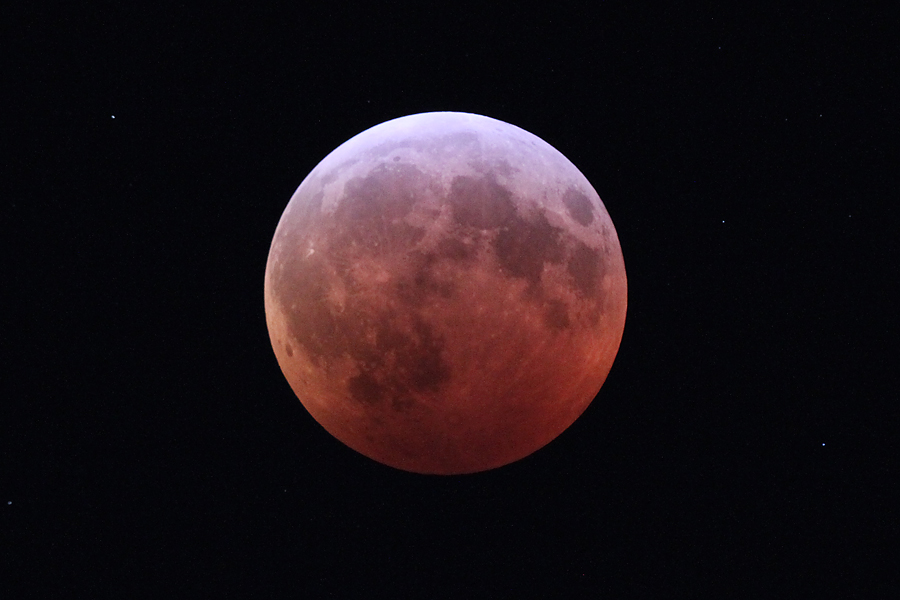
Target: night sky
x,y
743,445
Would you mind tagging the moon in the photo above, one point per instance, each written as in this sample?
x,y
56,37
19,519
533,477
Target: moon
x,y
445,293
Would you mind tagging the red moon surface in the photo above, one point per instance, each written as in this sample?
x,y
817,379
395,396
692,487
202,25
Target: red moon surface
x,y
445,293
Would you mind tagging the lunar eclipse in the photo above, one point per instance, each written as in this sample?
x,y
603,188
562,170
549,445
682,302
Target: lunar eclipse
x,y
445,293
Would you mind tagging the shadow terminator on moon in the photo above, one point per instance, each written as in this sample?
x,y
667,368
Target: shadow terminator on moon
x,y
445,293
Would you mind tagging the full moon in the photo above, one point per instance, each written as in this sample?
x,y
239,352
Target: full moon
x,y
445,293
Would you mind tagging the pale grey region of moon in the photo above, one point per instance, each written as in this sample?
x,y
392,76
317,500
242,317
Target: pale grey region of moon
x,y
445,293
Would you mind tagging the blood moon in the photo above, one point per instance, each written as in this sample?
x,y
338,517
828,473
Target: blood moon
x,y
445,293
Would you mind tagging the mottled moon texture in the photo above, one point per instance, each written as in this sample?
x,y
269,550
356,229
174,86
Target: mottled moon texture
x,y
445,293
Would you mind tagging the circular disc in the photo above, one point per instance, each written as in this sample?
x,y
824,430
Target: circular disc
x,y
445,293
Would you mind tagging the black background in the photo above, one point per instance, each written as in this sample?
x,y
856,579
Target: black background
x,y
741,446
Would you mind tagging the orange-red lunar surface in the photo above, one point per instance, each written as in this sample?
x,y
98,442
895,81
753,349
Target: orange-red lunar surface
x,y
445,293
